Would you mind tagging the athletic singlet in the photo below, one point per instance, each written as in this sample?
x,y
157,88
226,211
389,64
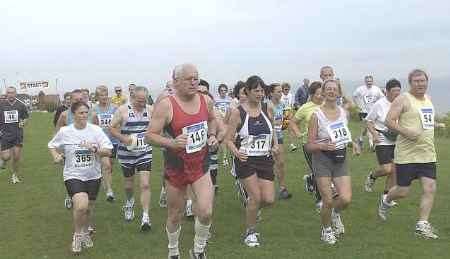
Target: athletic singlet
x,y
222,104
336,131
104,118
194,156
278,111
419,117
255,133
136,124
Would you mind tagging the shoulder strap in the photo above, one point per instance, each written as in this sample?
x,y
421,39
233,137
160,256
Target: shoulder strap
x,y
242,114
264,109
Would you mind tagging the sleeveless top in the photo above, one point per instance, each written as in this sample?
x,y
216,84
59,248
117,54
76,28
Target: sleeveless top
x,y
254,136
420,117
105,118
194,157
278,118
222,104
336,131
137,125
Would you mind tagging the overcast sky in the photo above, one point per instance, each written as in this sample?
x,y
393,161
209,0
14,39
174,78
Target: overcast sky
x,y
87,43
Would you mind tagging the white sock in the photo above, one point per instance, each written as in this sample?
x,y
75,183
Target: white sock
x,y
145,214
173,241
201,236
421,222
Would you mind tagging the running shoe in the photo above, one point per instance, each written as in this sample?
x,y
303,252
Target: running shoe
x,y
393,203
293,147
368,184
77,243
284,194
336,221
68,202
15,179
87,241
189,213
146,225
163,198
197,255
110,196
251,239
128,210
383,208
425,230
328,236
225,162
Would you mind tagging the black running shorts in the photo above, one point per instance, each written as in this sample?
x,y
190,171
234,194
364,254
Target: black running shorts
x,y
91,187
130,170
385,154
261,166
406,173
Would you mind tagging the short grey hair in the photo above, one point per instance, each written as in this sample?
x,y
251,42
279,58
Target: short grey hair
x,y
178,71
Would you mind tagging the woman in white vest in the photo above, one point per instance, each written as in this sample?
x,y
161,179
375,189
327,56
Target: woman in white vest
x,y
81,146
328,136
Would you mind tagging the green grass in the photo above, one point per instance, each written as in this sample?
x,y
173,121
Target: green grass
x,y
34,223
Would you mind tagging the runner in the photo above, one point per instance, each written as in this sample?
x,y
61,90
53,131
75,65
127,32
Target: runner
x,y
278,112
287,101
222,105
13,117
65,119
80,146
302,118
63,107
102,116
252,149
412,116
118,99
328,135
365,97
129,125
383,138
86,99
131,90
188,118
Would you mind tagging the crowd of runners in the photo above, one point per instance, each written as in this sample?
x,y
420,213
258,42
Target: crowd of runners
x,y
245,128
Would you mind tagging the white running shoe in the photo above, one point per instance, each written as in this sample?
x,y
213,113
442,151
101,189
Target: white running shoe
x,y
225,162
425,230
110,196
293,147
87,240
128,210
163,198
68,203
393,203
368,184
328,236
189,212
251,239
383,208
336,221
77,243
146,225
15,179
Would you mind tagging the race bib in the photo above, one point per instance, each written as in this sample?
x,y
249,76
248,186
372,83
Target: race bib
x,y
427,117
11,116
83,158
369,98
259,145
140,145
339,133
105,120
197,136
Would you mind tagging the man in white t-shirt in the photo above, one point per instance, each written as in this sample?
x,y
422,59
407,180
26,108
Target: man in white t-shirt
x,y
365,97
383,138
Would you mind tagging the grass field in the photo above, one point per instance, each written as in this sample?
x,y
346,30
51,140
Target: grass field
x,y
34,223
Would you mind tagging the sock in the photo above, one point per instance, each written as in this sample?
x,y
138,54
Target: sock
x,y
201,236
173,241
421,222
